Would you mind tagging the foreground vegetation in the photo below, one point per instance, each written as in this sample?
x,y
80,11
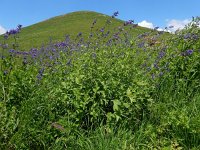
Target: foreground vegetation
x,y
115,91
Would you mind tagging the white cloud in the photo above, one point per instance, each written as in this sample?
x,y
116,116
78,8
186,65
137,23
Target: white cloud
x,y
177,24
146,24
2,30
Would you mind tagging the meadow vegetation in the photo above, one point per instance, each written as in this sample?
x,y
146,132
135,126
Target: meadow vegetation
x,y
110,90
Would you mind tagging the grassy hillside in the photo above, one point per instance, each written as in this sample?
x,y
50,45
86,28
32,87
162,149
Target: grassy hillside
x,y
56,28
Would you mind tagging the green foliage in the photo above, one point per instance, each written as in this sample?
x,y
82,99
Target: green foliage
x,y
126,95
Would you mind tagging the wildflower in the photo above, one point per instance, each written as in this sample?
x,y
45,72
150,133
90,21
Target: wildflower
x,y
155,65
25,61
19,27
79,34
140,45
12,51
115,14
189,52
161,54
187,36
51,57
25,53
33,52
102,29
13,31
156,28
40,73
5,72
62,44
128,22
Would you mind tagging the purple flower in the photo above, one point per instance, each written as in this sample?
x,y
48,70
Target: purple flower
x,y
161,54
40,73
5,72
33,52
51,57
187,36
189,52
156,65
12,51
13,31
25,61
19,27
79,34
115,14
128,22
156,28
140,45
102,29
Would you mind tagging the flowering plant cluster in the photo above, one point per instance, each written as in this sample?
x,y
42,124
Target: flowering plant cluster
x,y
149,82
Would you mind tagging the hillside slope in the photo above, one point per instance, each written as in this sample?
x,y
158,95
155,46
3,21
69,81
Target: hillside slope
x,y
56,28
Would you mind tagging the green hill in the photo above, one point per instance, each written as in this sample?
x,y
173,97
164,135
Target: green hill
x,y
56,28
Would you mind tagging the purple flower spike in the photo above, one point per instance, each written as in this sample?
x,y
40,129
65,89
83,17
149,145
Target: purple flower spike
x,y
128,22
102,30
19,27
156,28
189,52
115,14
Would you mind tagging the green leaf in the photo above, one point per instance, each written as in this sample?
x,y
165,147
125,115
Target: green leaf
x,y
127,105
141,83
64,84
130,95
116,105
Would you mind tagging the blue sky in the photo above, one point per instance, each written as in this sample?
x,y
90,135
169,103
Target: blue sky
x,y
149,13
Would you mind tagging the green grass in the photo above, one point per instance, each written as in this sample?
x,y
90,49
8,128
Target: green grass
x,y
56,28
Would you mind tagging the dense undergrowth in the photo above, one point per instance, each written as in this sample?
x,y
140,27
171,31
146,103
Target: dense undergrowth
x,y
112,91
